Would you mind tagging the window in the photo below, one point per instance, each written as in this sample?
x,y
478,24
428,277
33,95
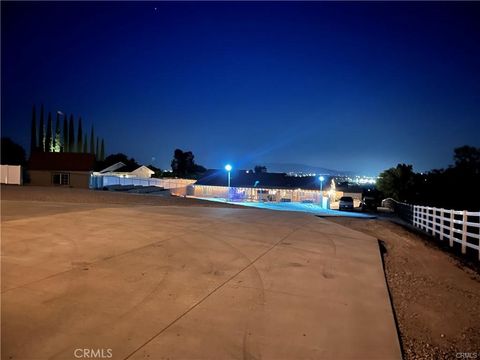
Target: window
x,y
61,179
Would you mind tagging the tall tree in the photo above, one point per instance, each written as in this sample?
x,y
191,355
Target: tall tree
x,y
65,134
85,145
57,142
92,141
467,158
260,169
71,135
79,136
41,131
102,151
183,163
33,130
48,136
96,149
130,163
398,183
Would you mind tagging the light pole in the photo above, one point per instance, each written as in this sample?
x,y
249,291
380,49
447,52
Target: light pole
x,y
321,178
228,167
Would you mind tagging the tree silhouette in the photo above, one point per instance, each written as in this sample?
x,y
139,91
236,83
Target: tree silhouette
x,y
85,145
102,151
398,183
48,137
41,131
57,145
71,135
33,132
260,169
183,164
65,134
79,136
96,149
92,141
467,158
453,188
112,159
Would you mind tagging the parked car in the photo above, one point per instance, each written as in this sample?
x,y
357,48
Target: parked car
x,y
370,203
371,199
346,203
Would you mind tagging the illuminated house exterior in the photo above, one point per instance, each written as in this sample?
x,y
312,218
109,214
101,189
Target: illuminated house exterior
x,y
251,186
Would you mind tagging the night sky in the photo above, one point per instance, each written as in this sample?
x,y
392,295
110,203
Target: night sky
x,y
346,86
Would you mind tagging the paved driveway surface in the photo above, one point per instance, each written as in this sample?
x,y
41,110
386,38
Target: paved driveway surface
x,y
189,282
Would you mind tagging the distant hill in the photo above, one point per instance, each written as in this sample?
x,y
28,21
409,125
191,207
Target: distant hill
x,y
302,168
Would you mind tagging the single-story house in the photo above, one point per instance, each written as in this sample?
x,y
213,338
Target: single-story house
x,y
122,170
121,174
60,169
251,186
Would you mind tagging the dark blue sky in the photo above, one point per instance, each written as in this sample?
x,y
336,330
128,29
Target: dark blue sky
x,y
349,86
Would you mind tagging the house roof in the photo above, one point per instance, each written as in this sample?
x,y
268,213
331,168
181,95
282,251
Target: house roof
x,y
113,167
61,161
242,178
142,168
120,167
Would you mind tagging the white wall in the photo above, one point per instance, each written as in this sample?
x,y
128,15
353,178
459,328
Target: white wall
x,y
11,174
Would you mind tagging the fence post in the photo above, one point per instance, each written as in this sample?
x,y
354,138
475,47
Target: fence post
x,y
464,232
424,217
441,224
427,221
452,217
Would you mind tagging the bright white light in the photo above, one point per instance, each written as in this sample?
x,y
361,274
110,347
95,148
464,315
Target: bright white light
x,y
321,178
228,167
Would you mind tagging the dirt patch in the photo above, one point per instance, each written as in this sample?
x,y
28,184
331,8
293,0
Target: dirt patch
x,y
435,297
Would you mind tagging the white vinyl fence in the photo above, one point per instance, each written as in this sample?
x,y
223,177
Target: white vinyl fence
x,y
100,181
11,174
462,227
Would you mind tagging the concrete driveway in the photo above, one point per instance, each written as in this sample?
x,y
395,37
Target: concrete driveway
x,y
151,282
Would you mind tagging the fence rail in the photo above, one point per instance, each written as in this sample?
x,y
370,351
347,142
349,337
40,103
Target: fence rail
x,y
456,226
